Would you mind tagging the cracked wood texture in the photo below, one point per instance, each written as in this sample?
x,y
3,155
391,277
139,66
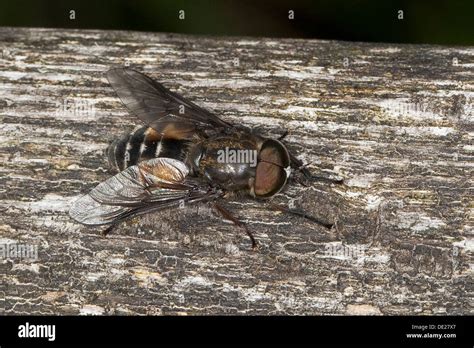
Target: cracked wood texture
x,y
395,121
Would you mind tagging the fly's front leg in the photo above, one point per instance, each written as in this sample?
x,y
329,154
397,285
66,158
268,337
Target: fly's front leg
x,y
300,212
283,136
226,214
301,168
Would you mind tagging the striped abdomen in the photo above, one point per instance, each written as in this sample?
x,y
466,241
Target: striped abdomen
x,y
144,143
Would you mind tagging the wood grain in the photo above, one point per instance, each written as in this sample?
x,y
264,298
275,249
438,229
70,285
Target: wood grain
x,y
395,121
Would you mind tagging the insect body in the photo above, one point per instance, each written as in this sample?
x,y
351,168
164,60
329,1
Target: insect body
x,y
183,154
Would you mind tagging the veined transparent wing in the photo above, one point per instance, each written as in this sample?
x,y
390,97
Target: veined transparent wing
x,y
151,185
167,112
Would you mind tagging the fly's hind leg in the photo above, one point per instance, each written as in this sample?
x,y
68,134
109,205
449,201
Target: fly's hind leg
x,y
226,214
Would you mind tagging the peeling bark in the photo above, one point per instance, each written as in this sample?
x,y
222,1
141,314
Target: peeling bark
x,y
395,121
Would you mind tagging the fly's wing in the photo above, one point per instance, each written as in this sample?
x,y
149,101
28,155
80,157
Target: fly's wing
x,y
149,186
166,112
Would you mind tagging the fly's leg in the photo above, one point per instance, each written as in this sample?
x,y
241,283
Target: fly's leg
x,y
300,167
302,213
228,216
109,229
283,136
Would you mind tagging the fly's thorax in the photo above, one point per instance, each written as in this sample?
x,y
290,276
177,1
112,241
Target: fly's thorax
x,y
229,161
259,165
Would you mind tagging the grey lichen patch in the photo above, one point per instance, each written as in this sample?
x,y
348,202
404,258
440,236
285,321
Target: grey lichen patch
x,y
394,121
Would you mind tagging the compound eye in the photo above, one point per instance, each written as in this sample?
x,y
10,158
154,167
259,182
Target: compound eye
x,y
271,175
269,179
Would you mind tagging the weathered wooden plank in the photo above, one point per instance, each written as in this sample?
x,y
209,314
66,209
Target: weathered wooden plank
x,y
395,121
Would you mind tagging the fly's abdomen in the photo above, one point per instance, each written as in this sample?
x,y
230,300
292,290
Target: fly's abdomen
x,y
144,143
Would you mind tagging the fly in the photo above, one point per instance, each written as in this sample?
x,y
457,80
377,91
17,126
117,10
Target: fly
x,y
183,154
